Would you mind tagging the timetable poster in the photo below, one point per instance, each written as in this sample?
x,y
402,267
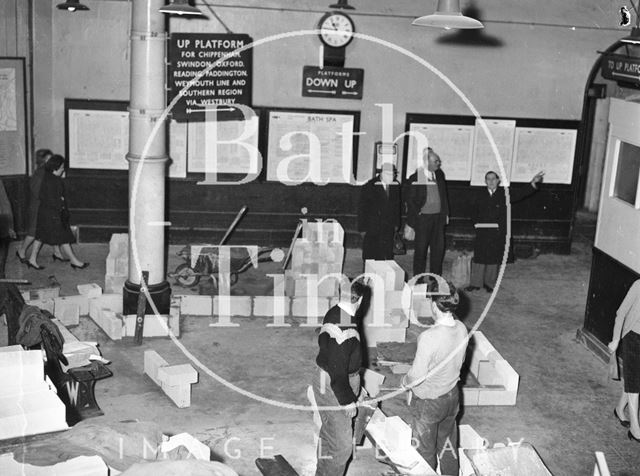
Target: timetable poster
x,y
310,147
484,156
98,139
224,147
453,143
548,150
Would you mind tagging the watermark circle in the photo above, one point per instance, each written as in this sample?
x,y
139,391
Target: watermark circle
x,y
160,122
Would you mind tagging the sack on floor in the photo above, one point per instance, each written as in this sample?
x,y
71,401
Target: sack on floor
x,y
461,270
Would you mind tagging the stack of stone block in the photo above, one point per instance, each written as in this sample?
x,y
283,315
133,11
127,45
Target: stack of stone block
x,y
387,317
106,311
497,380
117,263
29,404
317,255
175,380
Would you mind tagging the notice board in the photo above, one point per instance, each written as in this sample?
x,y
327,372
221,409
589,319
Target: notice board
x,y
229,81
526,147
315,146
13,124
97,134
97,137
224,147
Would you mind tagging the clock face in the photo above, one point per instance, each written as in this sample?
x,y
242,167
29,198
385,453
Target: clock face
x,y
336,29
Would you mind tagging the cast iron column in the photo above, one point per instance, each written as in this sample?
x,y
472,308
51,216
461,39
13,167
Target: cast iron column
x,y
147,151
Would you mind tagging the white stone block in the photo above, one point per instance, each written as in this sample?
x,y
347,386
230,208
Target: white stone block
x,y
397,434
68,314
44,304
152,364
112,302
327,231
384,334
172,375
111,323
271,306
30,414
113,284
396,275
238,305
154,326
79,301
191,305
51,292
90,290
307,306
24,367
470,396
179,394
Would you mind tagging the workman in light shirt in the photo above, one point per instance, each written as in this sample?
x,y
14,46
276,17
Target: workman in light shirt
x,y
433,379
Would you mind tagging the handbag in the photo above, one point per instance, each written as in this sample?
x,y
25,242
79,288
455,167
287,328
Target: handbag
x,y
614,371
461,270
399,246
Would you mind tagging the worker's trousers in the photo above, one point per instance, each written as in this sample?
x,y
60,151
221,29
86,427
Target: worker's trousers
x,y
335,442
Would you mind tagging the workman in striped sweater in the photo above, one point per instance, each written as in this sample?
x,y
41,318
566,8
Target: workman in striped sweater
x,y
337,382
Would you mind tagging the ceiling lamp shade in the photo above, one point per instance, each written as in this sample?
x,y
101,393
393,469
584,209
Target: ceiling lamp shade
x,y
72,6
342,4
181,7
633,38
448,16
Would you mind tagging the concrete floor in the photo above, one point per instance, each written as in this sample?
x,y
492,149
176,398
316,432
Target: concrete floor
x,y
251,376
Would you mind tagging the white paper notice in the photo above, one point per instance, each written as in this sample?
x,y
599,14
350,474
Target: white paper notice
x,y
178,149
548,150
8,117
453,143
224,147
98,139
484,156
310,147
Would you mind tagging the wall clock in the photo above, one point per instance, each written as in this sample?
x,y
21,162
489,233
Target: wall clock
x,y
336,29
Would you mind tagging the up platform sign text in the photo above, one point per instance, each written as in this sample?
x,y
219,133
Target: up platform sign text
x,y
228,82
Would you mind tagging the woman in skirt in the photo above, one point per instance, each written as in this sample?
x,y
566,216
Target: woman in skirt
x,y
53,215
627,329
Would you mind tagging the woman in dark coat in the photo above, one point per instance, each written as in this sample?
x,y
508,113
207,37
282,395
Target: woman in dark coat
x,y
489,218
53,215
42,156
379,214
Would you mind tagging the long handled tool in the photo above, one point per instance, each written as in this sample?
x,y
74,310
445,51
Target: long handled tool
x,y
239,216
295,237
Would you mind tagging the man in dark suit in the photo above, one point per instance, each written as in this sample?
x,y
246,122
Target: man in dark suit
x,y
379,214
427,213
489,216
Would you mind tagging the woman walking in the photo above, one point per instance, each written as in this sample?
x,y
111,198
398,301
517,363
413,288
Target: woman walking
x,y
53,215
627,329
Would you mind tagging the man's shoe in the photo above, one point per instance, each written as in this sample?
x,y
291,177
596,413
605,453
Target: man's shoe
x,y
471,288
488,289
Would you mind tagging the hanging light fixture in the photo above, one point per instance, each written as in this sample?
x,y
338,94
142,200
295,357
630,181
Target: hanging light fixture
x,y
181,7
448,16
72,6
342,5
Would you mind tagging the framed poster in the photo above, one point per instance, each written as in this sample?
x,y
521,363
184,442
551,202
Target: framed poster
x,y
484,157
224,147
452,142
13,123
312,146
97,134
548,150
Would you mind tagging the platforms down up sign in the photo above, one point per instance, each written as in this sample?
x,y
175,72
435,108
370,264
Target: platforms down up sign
x,y
330,82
